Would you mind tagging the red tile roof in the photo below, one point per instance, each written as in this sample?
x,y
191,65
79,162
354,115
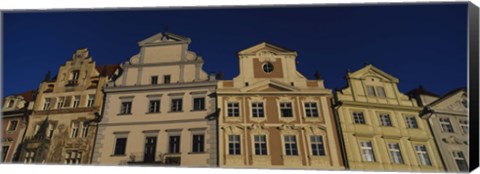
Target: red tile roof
x,y
420,91
110,69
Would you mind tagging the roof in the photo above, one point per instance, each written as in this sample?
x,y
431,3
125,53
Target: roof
x,y
109,69
448,94
263,45
27,95
420,91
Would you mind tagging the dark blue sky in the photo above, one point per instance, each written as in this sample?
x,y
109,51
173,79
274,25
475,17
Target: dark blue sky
x,y
419,44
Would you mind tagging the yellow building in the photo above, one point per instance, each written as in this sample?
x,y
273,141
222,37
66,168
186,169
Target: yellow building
x,y
381,127
61,129
271,116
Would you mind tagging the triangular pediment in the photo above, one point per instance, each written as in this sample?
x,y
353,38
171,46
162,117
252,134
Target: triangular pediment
x,y
163,39
265,48
455,101
269,86
371,71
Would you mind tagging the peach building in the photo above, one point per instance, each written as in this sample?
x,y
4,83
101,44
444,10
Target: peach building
x,y
161,110
381,127
271,116
61,129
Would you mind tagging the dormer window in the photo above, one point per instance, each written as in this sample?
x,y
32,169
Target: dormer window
x,y
267,67
10,103
377,91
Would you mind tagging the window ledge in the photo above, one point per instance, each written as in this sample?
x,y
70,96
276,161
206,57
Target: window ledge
x,y
126,114
198,110
151,113
175,111
118,155
195,153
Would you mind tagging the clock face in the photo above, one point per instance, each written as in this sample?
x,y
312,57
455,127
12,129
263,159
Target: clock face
x,y
267,67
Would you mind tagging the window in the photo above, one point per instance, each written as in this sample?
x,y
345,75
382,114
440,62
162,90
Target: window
x,y
257,109
385,120
371,91
233,109
464,126
395,154
29,156
446,125
367,151
290,145
154,80
422,155
85,130
75,75
234,144
61,101
46,104
286,109
174,144
91,100
126,108
198,143
4,152
260,143
460,160
176,105
10,103
311,109
166,79
199,104
13,125
411,122
76,101
381,91
358,118
154,106
73,157
267,67
51,128
318,148
74,132
120,145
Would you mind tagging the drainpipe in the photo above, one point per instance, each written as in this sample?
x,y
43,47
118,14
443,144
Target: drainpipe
x,y
339,128
98,118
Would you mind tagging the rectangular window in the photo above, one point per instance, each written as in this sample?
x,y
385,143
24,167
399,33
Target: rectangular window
x,y
75,75
411,122
4,152
46,104
76,101
51,128
233,109
126,108
311,109
460,160
13,125
73,157
154,106
120,145
318,148
174,144
290,145
385,120
91,100
367,151
358,118
464,126
199,104
176,105
260,143
286,109
381,91
84,130
234,144
422,155
371,91
154,80
60,103
29,157
257,109
166,79
395,154
198,143
446,125
10,103
74,132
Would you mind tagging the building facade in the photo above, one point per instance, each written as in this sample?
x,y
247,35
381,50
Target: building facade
x,y
381,127
448,118
15,112
271,116
161,110
61,128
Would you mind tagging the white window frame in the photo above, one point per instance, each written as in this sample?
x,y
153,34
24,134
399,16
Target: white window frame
x,y
446,125
234,141
74,129
156,105
383,119
91,100
318,144
395,153
29,156
464,125
410,124
311,108
366,150
283,105
10,124
73,157
260,142
359,114
60,103
46,103
381,91
257,106
126,107
289,141
422,155
76,101
371,91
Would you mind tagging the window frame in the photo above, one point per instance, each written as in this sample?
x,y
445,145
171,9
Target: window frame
x,y
154,80
422,154
282,107
154,105
124,110
360,117
234,140
367,148
198,145
256,110
76,103
117,149
233,109
167,79
385,120
262,145
202,106
411,125
290,145
90,100
394,150
446,125
310,109
464,125
10,123
174,147
319,145
176,105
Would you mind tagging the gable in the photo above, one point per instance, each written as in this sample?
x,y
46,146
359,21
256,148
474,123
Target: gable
x,y
455,102
371,71
164,38
266,49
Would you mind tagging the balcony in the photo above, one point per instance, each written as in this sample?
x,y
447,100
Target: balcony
x,y
140,158
72,83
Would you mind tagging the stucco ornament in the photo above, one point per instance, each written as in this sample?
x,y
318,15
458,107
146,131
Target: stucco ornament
x,y
266,55
452,140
